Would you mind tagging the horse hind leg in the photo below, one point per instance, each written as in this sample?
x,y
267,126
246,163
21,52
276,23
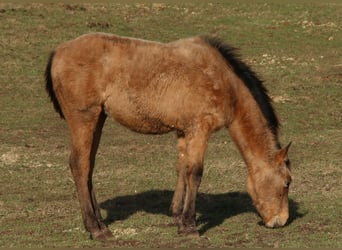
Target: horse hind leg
x,y
85,137
95,145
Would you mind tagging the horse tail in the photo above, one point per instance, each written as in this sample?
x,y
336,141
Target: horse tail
x,y
49,86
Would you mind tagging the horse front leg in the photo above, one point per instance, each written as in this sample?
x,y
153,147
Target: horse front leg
x,y
196,144
178,196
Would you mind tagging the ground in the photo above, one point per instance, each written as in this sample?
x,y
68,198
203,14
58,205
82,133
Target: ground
x,y
294,47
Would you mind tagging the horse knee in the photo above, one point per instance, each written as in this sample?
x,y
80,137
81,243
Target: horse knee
x,y
195,173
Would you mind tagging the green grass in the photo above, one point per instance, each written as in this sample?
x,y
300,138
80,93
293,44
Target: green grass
x,y
295,47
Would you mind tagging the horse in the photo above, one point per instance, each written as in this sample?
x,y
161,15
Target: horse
x,y
194,87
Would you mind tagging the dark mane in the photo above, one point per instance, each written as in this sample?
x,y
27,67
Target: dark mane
x,y
249,78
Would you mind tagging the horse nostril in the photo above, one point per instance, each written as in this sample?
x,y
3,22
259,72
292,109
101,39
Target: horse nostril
x,y
277,222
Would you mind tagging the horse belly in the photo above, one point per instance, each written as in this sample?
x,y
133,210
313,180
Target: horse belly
x,y
130,115
152,115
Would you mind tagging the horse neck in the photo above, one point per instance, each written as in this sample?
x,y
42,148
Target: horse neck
x,y
250,131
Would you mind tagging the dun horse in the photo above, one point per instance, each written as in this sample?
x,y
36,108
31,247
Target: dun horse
x,y
192,86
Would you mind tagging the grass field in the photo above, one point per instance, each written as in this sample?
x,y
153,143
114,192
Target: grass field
x,y
295,47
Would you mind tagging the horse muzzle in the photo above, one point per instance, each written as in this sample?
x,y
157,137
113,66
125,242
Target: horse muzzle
x,y
276,221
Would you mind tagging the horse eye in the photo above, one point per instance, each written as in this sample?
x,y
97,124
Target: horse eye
x,y
286,184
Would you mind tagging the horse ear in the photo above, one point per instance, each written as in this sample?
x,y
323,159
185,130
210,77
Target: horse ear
x,y
281,155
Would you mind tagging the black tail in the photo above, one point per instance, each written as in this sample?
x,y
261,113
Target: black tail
x,y
49,86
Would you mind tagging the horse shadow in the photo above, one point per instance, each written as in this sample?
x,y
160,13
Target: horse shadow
x,y
212,209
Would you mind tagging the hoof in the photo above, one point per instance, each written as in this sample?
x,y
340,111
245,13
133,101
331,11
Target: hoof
x,y
177,220
101,235
193,234
190,231
107,232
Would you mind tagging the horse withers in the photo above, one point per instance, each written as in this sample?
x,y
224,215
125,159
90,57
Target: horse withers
x,y
192,86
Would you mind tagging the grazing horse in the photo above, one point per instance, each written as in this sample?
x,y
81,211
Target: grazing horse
x,y
192,86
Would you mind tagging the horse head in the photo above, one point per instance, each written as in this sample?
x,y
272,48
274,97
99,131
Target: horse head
x,y
269,189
